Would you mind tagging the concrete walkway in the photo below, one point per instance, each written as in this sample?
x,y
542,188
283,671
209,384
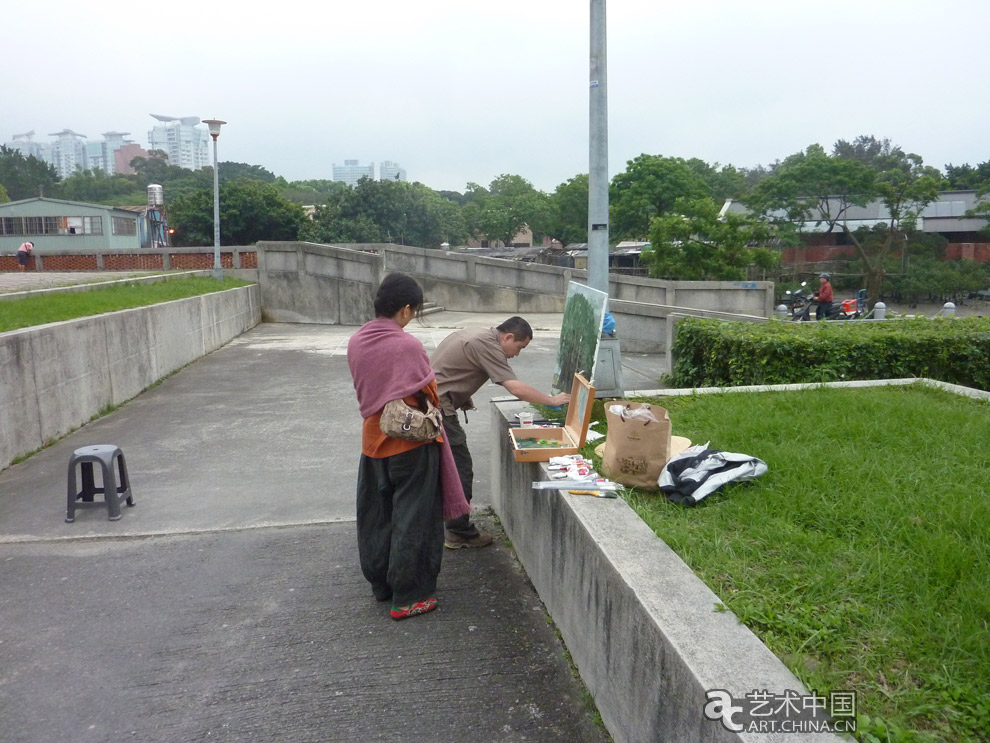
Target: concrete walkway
x,y
16,281
228,604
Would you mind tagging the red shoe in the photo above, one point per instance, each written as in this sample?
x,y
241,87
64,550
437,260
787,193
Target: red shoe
x,y
420,607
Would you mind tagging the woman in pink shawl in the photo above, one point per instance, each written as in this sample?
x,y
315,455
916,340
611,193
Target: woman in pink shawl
x,y
405,489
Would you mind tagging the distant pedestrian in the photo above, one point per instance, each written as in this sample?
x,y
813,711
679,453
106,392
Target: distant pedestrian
x,y
23,253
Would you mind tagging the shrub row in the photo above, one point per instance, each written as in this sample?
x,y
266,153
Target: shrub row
x,y
716,353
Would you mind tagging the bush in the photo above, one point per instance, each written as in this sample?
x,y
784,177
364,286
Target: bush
x,y
714,353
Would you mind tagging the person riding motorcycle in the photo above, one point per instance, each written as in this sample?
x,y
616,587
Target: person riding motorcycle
x,y
824,297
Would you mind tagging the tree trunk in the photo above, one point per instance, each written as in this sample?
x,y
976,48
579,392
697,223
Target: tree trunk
x,y
874,285
875,271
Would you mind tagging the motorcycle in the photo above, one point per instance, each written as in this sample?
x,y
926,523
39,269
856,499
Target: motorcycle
x,y
799,302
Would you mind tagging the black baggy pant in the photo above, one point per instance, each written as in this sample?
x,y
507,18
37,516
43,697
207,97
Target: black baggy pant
x,y
400,524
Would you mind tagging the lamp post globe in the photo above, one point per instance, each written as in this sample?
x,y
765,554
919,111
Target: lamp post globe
x,y
214,126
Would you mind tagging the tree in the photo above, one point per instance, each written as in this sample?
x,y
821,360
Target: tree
x,y
509,204
386,211
967,177
723,181
692,242
152,169
648,188
309,192
810,186
175,181
925,275
25,177
96,187
754,175
249,211
569,211
434,219
906,186
4,198
230,171
813,187
456,196
866,149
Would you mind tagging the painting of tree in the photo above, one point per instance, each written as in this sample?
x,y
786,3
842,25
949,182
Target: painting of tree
x,y
580,333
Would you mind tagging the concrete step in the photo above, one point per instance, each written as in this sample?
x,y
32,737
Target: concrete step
x,y
430,307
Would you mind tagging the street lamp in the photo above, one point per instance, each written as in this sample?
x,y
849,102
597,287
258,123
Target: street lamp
x,y
215,125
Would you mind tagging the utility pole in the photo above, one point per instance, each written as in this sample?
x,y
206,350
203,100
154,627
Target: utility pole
x,y
598,152
608,367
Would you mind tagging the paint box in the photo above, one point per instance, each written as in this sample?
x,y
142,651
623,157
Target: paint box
x,y
571,437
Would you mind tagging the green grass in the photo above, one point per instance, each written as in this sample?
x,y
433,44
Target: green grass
x,y
862,557
58,306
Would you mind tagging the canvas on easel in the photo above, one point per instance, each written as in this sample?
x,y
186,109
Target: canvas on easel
x,y
580,334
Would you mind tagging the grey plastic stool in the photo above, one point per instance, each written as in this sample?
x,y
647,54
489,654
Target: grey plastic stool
x,y
114,490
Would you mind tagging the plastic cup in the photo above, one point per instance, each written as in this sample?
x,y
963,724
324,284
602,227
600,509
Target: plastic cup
x,y
525,419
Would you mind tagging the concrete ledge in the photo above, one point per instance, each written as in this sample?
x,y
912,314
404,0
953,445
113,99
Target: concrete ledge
x,y
305,282
56,377
956,389
640,625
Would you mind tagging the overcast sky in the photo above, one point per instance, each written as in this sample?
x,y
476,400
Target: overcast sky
x,y
457,91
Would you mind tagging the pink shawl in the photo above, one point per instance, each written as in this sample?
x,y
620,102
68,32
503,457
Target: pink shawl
x,y
387,363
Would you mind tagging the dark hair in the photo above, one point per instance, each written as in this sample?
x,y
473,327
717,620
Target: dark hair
x,y
395,292
519,328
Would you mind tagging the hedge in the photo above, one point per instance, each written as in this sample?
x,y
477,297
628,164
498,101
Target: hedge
x,y
718,353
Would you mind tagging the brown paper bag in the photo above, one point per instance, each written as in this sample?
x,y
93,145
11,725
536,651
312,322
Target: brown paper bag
x,y
636,448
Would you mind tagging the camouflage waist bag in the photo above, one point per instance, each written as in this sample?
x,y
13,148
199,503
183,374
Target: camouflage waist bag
x,y
402,421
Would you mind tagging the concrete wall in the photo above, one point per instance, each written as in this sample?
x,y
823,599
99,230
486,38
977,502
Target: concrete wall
x,y
56,377
640,626
649,328
303,282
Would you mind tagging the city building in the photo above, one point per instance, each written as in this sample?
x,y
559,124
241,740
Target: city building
x,y
68,153
25,144
180,137
102,155
123,155
350,172
390,171
948,216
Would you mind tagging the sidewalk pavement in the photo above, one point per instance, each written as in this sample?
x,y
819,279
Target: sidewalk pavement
x,y
228,603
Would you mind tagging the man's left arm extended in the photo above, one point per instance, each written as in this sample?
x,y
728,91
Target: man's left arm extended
x,y
526,393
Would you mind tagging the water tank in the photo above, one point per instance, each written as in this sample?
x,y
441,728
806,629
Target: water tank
x,y
156,195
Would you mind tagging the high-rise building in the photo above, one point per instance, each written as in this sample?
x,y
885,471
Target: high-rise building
x,y
25,144
350,172
390,171
186,145
69,153
102,154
